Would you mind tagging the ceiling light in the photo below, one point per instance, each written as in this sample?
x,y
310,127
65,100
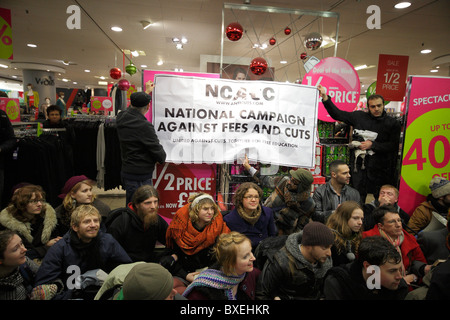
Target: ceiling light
x,y
103,83
160,63
75,82
102,77
31,45
143,66
361,67
184,40
175,39
179,46
87,70
65,80
425,51
116,29
135,53
434,70
283,61
3,66
402,5
146,24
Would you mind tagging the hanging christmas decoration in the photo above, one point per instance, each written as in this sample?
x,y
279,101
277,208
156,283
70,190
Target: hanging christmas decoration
x,y
258,66
130,69
272,41
303,56
115,73
234,31
287,31
313,41
123,84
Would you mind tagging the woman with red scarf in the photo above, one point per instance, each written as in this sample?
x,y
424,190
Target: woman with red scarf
x,y
191,234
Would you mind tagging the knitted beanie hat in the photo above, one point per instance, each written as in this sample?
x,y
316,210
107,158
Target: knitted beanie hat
x,y
147,281
305,178
68,186
440,187
317,234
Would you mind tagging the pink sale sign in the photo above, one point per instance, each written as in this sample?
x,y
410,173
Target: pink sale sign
x,y
341,82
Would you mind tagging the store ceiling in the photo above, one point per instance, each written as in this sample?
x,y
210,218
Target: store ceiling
x,y
95,47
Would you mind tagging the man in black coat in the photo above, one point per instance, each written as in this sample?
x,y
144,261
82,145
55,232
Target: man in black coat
x,y
139,144
138,227
358,281
378,165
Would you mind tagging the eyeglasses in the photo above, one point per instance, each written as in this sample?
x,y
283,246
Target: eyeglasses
x,y
251,197
36,201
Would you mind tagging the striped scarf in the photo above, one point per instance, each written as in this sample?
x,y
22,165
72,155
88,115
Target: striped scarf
x,y
396,243
216,279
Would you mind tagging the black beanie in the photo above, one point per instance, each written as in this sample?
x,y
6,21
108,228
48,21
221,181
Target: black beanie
x,y
317,234
140,99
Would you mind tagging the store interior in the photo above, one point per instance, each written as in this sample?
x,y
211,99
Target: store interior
x,y
75,44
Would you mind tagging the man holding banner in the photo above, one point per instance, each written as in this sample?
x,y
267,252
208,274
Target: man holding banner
x,y
139,145
378,166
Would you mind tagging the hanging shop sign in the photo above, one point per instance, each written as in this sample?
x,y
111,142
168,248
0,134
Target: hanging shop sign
x,y
101,104
6,47
175,183
11,107
341,82
391,76
426,146
201,120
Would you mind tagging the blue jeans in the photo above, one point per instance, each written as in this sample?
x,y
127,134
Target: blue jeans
x,y
131,186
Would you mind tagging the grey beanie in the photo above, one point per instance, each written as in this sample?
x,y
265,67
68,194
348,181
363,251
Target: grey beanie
x,y
440,187
147,281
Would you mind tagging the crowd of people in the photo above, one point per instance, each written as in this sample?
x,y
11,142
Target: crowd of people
x,y
294,245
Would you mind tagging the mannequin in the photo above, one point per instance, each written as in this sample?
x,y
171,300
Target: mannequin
x,y
31,98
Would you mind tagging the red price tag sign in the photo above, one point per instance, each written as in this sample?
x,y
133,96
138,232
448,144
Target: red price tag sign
x,y
391,77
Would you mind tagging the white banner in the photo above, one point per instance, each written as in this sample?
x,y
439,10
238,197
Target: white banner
x,y
203,120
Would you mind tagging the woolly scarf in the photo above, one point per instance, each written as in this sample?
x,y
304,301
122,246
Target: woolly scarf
x,y
216,279
252,217
292,199
182,232
396,243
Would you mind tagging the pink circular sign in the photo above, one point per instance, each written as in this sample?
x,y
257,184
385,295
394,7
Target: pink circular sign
x,y
341,81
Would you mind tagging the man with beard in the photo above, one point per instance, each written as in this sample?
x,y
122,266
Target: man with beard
x,y
330,195
291,199
438,201
138,227
83,248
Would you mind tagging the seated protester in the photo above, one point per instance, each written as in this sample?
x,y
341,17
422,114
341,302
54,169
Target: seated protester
x,y
191,235
327,197
17,271
297,271
290,192
388,196
389,226
249,216
233,277
33,219
346,223
148,281
434,243
438,201
84,246
139,227
354,281
78,191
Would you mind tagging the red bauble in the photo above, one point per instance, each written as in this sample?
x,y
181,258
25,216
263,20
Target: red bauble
x,y
115,73
303,56
234,31
287,31
258,66
124,85
272,41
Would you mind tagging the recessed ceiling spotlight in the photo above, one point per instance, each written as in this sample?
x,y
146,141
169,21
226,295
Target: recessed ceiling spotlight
x,y
283,61
434,70
179,46
146,24
184,40
31,45
116,29
175,39
143,66
160,63
402,5
87,70
135,53
425,51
